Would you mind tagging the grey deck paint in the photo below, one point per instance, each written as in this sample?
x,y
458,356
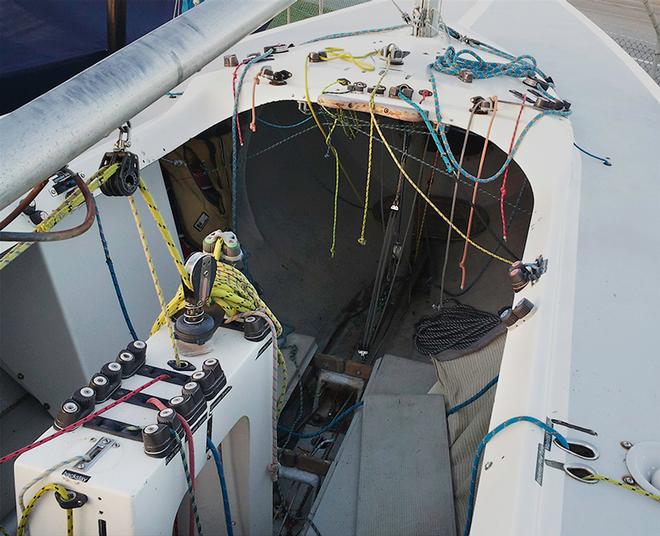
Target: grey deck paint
x,y
335,509
405,482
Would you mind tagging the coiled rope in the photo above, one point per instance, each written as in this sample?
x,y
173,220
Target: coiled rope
x,y
452,328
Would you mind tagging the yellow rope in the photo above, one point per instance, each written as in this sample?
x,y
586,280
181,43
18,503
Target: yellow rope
x,y
336,53
425,197
164,232
154,276
56,488
68,205
623,485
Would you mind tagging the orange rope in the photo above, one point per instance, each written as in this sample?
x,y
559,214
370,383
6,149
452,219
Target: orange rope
x,y
253,122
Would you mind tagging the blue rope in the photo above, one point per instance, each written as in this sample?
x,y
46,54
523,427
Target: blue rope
x,y
356,32
234,138
223,485
469,401
475,463
606,161
327,427
274,125
113,275
452,62
444,147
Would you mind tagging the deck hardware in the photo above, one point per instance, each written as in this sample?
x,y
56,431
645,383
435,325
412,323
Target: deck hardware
x,y
93,454
196,326
279,78
254,55
36,216
424,93
303,108
405,89
125,180
520,95
626,444
580,449
73,500
280,48
574,427
316,57
379,89
230,60
629,480
522,274
480,105
523,308
357,87
465,75
580,472
394,54
63,181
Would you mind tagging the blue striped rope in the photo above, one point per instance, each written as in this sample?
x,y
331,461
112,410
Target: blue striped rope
x,y
482,445
274,125
444,147
327,427
113,275
351,34
223,485
473,398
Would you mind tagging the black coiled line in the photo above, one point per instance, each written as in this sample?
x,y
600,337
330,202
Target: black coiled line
x,y
455,327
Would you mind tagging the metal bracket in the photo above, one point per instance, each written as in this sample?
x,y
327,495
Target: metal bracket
x,y
100,447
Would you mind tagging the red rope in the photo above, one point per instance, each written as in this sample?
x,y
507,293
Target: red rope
x,y
82,421
233,92
191,454
506,172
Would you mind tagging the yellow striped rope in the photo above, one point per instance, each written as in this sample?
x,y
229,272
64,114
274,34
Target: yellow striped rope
x,y
71,202
164,232
336,53
634,489
154,276
56,488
